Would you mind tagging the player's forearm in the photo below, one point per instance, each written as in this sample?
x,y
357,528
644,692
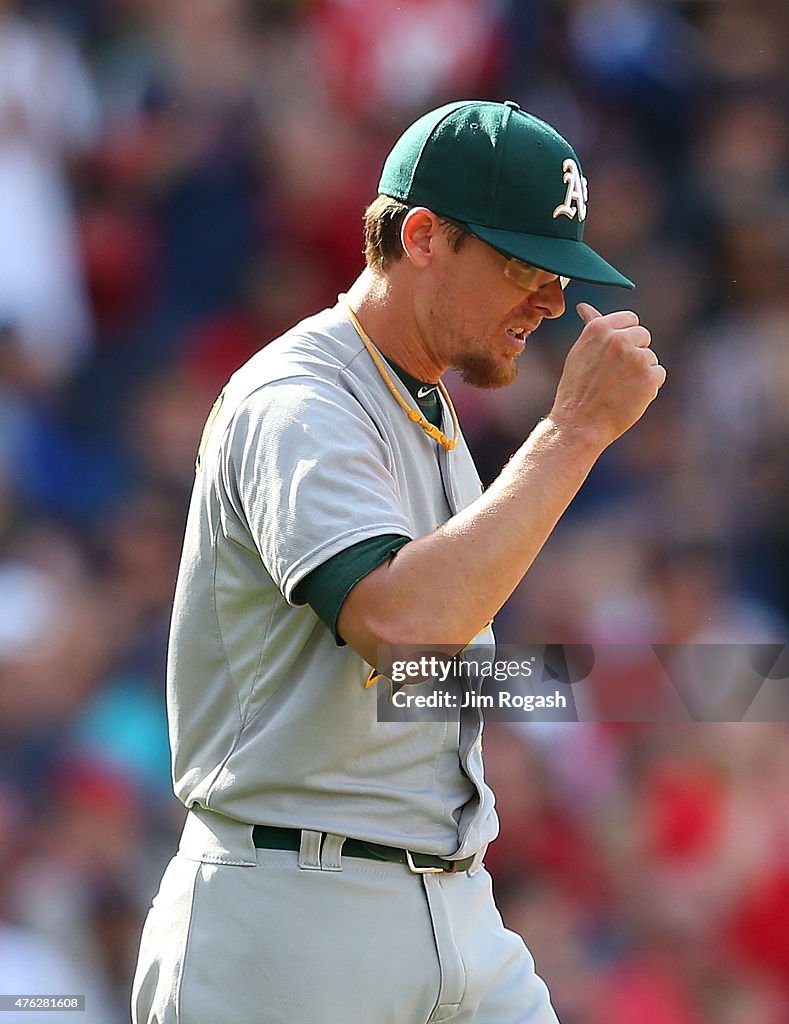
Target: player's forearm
x,y
445,587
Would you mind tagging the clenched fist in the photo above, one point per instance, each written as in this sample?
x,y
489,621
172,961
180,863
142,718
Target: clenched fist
x,y
610,376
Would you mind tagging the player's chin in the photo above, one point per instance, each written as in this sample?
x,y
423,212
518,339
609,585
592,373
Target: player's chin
x,y
489,371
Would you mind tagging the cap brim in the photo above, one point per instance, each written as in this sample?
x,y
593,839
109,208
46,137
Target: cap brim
x,y
562,256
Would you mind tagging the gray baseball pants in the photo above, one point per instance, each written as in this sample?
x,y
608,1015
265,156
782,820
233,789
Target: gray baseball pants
x,y
238,935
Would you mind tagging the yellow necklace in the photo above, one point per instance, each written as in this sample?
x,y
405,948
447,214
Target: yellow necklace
x,y
415,415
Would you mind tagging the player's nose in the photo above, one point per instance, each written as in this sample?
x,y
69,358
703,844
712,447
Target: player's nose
x,y
549,299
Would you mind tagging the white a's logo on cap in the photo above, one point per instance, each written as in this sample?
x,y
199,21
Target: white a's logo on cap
x,y
577,192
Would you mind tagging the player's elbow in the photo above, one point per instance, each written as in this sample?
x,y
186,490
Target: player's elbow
x,y
367,627
376,615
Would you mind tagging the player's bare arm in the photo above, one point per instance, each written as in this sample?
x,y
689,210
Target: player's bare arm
x,y
448,585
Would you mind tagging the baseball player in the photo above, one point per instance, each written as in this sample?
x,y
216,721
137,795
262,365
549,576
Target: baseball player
x,y
331,865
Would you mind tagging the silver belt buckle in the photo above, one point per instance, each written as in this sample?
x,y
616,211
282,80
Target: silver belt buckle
x,y
420,871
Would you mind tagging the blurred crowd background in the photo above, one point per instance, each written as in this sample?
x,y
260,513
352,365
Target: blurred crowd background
x,y
180,180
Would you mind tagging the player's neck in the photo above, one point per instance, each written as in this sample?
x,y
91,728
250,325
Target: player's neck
x,y
386,314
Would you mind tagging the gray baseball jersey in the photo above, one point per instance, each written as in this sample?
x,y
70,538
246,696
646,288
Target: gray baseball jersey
x,y
305,454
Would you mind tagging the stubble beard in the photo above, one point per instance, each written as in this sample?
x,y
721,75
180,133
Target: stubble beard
x,y
476,365
483,371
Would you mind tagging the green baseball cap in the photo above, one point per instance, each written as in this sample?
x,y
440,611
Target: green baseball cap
x,y
508,177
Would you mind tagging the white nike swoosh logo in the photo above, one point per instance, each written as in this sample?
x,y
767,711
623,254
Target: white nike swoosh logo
x,y
425,392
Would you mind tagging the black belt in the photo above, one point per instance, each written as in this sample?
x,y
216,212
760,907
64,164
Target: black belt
x,y
268,837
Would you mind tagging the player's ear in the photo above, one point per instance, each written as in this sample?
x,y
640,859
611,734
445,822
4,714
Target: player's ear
x,y
417,234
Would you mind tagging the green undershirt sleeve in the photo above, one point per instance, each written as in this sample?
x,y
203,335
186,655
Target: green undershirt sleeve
x,y
326,587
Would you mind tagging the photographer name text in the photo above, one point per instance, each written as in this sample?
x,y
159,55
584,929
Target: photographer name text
x,y
470,699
